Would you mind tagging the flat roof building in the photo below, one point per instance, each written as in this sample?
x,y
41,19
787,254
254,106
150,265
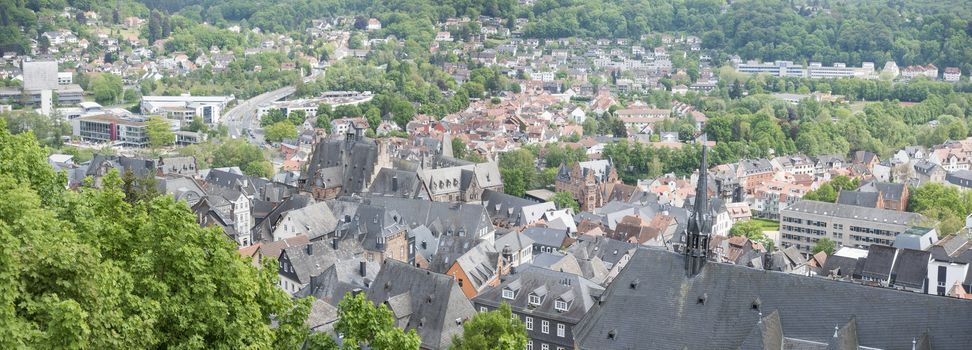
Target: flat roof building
x,y
805,222
127,132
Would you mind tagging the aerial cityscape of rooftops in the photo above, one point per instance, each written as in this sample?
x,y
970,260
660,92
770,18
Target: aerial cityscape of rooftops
x,y
486,174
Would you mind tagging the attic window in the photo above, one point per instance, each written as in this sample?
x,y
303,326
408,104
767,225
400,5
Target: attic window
x,y
428,299
613,334
535,300
560,305
508,294
634,283
756,304
702,298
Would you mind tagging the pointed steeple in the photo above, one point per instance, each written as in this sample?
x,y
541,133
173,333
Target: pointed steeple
x,y
699,224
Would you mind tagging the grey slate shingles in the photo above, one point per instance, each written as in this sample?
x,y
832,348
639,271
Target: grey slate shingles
x,y
809,308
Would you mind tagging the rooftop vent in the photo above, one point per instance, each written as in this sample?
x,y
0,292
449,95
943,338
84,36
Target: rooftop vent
x,y
702,298
634,283
613,334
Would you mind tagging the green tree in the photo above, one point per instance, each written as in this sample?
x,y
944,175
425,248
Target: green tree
x,y
459,149
238,152
495,329
824,193
89,270
159,132
824,245
280,131
107,87
364,324
754,231
565,200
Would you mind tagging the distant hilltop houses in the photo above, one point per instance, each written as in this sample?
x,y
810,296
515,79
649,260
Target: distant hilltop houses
x,y
816,70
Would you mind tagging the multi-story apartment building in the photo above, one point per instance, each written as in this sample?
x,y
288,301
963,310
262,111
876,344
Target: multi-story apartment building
x,y
805,222
186,108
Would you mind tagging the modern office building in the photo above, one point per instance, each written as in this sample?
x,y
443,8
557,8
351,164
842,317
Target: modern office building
x,y
186,108
805,222
127,132
777,68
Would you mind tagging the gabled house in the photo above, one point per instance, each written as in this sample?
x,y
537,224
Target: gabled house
x,y
432,304
299,263
316,221
478,268
549,303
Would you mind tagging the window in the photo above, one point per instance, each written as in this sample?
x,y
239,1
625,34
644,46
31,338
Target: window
x,y
513,317
529,345
545,326
534,300
560,305
482,309
529,323
561,330
544,347
508,294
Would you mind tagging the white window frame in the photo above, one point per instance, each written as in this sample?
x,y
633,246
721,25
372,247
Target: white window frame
x,y
529,345
534,300
561,330
544,347
559,303
545,327
529,323
482,309
508,294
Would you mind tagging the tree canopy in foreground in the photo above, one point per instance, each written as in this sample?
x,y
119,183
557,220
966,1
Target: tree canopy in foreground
x,y
89,270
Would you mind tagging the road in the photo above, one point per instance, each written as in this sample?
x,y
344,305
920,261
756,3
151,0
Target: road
x,y
242,120
243,117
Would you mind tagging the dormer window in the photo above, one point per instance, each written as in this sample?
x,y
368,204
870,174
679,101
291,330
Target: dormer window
x,y
508,294
535,300
560,305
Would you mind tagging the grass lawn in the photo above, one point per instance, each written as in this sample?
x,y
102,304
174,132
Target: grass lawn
x,y
767,225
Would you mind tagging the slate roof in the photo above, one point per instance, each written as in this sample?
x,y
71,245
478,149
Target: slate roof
x,y
513,210
856,198
139,167
954,248
880,262
480,264
608,250
263,229
349,163
343,277
272,250
889,191
911,268
311,259
808,308
435,302
397,183
440,217
546,236
579,293
842,266
315,220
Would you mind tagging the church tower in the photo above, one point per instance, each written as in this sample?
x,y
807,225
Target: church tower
x,y
699,224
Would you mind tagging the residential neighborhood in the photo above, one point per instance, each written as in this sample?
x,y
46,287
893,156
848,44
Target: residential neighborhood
x,y
515,175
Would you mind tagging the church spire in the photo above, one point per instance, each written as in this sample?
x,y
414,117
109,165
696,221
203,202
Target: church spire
x,y
699,224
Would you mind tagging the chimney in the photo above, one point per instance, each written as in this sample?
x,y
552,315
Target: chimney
x,y
395,183
363,268
425,245
310,249
334,243
347,218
